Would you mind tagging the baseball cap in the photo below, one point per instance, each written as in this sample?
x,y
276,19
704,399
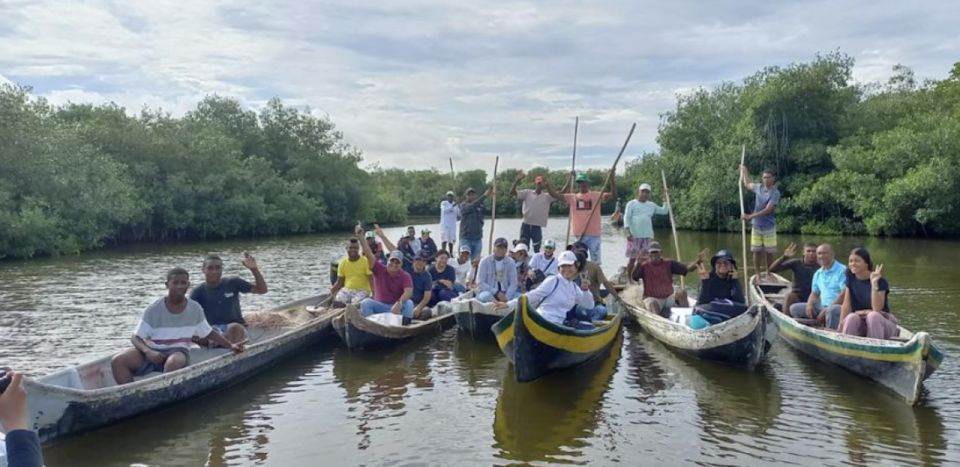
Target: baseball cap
x,y
423,256
582,177
396,254
424,230
470,190
501,242
520,247
539,179
644,186
549,243
369,234
654,246
464,248
567,258
450,193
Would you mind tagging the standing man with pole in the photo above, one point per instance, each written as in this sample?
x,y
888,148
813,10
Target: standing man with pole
x,y
535,209
583,207
763,238
449,212
638,222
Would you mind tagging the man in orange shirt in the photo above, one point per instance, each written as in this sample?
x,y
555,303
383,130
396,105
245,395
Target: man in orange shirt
x,y
586,222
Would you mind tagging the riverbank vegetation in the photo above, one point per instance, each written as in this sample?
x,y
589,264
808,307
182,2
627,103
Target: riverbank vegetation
x,y
879,159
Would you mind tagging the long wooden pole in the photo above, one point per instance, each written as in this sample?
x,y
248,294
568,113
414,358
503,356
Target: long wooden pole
x,y
606,181
673,224
573,168
743,228
453,176
493,216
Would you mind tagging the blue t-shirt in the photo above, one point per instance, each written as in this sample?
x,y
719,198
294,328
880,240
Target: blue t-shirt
x,y
448,274
861,291
828,283
765,197
422,282
221,304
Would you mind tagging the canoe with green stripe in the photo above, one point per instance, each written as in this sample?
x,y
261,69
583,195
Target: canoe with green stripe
x,y
537,346
900,364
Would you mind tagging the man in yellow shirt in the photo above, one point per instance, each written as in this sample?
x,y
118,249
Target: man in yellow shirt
x,y
354,279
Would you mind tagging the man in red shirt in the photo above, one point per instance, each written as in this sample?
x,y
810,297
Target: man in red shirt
x,y
657,273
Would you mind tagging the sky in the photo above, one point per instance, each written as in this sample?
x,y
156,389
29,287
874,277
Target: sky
x,y
415,83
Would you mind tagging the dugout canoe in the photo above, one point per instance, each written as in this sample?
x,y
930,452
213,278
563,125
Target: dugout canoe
x,y
738,342
86,397
537,346
476,318
358,332
900,364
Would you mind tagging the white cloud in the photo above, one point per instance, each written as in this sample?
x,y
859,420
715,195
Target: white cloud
x,y
414,83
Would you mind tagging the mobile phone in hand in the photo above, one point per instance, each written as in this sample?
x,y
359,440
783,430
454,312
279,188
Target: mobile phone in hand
x,y
4,380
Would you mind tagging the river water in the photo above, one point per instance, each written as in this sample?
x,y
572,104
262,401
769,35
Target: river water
x,y
447,400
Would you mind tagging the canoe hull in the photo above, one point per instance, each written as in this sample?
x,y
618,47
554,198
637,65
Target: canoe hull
x,y
536,346
900,366
357,332
740,342
476,319
57,412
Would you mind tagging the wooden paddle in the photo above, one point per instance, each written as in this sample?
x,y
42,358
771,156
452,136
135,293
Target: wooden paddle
x,y
573,168
606,182
673,225
453,176
493,216
743,228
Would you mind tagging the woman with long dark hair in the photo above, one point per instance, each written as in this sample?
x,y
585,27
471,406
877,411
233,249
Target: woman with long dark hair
x,y
865,311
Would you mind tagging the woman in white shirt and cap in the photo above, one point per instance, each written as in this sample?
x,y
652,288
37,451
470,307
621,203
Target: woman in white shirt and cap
x,y
559,298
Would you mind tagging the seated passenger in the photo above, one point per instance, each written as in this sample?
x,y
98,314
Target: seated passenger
x,y
544,264
559,299
426,245
422,286
220,298
519,255
463,267
594,277
721,283
497,275
657,275
803,271
827,290
444,279
354,279
392,286
866,312
162,339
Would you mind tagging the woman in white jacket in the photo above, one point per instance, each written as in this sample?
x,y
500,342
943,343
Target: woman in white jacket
x,y
559,299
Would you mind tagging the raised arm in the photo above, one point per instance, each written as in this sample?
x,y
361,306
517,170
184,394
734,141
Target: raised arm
x,y
787,253
386,241
607,196
745,174
367,252
513,188
260,285
877,294
553,192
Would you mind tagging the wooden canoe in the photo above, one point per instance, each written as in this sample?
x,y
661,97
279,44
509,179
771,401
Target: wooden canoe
x,y
738,342
900,364
475,318
537,346
86,397
358,332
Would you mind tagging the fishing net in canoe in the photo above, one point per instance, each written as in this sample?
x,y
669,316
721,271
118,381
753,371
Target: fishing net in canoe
x,y
285,318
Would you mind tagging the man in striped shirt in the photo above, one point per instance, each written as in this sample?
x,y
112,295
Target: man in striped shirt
x,y
162,339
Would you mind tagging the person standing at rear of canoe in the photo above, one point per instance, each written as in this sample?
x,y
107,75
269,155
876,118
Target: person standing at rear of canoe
x,y
392,286
638,222
449,213
827,290
586,227
354,279
803,271
763,239
866,310
220,298
471,222
162,338
535,209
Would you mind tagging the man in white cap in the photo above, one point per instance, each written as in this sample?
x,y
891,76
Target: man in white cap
x,y
520,256
449,213
543,264
638,223
463,267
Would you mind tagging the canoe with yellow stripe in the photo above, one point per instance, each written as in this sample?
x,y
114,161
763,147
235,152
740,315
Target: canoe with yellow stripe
x,y
537,346
900,364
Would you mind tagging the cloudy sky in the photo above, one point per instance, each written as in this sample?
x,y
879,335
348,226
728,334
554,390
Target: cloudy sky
x,y
413,83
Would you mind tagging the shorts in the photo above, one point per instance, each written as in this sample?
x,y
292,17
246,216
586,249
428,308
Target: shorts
x,y
665,304
351,296
150,367
638,247
763,241
448,233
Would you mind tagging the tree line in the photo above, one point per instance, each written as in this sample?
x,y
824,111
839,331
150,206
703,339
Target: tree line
x,y
878,159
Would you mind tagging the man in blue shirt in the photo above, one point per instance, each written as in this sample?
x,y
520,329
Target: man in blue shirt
x,y
826,291
220,296
763,240
422,286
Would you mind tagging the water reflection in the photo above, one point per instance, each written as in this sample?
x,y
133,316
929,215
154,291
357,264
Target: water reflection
x,y
553,418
